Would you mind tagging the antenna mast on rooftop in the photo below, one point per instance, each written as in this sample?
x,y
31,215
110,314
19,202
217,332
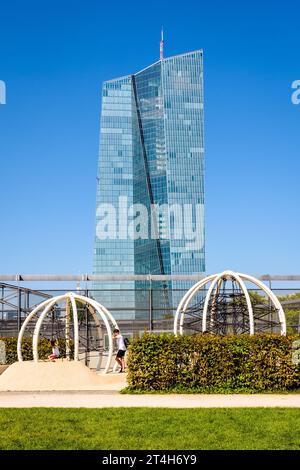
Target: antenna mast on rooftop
x,y
161,48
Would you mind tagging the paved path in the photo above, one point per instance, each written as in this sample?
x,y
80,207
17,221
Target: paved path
x,y
106,399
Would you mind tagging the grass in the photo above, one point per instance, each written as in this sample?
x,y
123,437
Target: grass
x,y
145,428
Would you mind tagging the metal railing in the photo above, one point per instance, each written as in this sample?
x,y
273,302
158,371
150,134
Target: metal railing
x,y
126,277
136,309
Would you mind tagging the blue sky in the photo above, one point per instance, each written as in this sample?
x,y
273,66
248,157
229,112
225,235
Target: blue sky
x,y
53,58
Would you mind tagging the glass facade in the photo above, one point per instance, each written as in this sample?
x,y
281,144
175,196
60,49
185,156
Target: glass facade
x,y
150,192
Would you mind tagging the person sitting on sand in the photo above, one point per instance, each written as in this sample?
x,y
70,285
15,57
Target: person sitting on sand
x,y
55,351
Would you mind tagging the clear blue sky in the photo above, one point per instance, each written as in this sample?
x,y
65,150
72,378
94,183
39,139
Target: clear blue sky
x,y
53,58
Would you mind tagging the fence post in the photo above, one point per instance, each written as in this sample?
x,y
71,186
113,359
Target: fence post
x,y
270,306
150,307
87,330
2,303
19,308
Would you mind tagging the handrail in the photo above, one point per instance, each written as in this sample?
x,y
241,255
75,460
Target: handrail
x,y
130,277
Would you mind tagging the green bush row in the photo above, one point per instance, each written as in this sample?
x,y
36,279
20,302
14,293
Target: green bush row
x,y
44,349
209,363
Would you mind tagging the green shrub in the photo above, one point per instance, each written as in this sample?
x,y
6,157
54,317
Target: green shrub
x,y
212,363
44,349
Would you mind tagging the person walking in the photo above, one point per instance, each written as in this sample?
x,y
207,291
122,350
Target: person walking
x,y
120,357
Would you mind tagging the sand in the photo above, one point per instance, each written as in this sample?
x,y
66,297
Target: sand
x,y
3,368
58,375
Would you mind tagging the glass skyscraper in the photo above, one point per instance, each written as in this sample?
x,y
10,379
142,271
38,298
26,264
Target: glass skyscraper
x,y
150,192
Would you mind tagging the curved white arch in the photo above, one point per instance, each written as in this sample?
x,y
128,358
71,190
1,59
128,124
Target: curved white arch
x,y
98,327
98,307
115,325
27,320
36,332
76,329
207,299
229,275
272,296
93,307
107,312
215,279
186,299
213,304
192,291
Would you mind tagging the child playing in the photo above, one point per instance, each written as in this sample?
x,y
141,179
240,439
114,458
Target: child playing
x,y
55,351
120,357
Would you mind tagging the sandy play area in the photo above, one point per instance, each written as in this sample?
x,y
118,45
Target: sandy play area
x,y
58,375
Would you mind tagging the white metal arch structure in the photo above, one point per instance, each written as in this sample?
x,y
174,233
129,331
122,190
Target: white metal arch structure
x,y
183,304
97,310
215,279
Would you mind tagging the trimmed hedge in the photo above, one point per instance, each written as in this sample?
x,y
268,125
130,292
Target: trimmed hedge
x,y
207,363
44,349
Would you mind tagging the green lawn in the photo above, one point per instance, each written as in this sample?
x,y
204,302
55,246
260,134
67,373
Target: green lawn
x,y
144,428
